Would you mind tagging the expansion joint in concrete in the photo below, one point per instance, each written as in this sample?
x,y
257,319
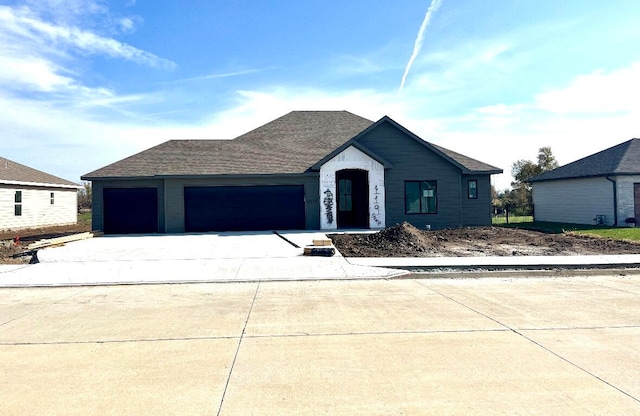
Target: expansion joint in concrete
x,y
235,356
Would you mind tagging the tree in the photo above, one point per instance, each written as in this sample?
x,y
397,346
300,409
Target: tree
x,y
84,196
546,160
522,171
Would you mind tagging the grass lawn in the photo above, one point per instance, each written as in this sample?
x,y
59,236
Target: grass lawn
x,y
513,219
84,218
616,233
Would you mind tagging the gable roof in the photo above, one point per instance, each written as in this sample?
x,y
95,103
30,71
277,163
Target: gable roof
x,y
17,174
622,159
287,145
464,163
291,144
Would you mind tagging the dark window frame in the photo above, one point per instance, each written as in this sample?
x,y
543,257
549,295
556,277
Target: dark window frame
x,y
17,208
424,206
52,198
474,194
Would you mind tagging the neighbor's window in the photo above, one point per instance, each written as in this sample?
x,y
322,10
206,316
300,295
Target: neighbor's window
x,y
52,198
17,199
420,197
473,189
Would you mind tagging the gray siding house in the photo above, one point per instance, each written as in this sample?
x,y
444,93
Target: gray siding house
x,y
323,170
30,198
603,188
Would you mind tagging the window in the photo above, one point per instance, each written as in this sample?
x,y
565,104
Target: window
x,y
17,199
420,197
345,196
472,186
52,198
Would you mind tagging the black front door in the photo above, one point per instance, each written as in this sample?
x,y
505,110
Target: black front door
x,y
353,198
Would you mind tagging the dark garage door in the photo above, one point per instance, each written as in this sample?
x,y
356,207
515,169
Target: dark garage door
x,y
130,210
244,208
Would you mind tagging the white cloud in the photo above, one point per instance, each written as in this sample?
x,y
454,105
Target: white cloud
x,y
34,73
598,92
26,25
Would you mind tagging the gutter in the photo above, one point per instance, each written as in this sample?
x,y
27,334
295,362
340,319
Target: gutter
x,y
40,184
615,200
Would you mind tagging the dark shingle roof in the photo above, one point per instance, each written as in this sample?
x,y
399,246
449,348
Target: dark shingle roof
x,y
471,165
13,172
291,144
623,159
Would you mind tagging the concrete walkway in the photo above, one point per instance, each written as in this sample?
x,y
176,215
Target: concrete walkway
x,y
363,347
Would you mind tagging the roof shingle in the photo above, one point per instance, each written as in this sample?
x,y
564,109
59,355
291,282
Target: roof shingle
x,y
13,172
291,144
622,159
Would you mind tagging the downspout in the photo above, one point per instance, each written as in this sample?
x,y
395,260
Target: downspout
x,y
615,200
460,182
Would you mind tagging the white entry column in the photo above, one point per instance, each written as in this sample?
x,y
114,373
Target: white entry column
x,y
351,158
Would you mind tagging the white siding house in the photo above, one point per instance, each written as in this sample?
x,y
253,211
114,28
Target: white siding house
x,y
30,198
603,188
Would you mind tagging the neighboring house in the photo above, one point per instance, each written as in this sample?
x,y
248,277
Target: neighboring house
x,y
30,198
603,188
306,170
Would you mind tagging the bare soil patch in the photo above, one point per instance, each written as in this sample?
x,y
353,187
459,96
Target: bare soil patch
x,y
405,240
14,242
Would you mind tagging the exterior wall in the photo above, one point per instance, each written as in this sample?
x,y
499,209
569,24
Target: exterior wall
x,y
413,161
97,211
576,201
351,158
174,201
476,211
37,210
625,195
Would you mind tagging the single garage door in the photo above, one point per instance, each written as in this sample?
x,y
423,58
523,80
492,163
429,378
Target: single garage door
x,y
130,210
244,208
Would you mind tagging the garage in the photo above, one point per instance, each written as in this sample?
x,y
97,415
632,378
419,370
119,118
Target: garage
x,y
244,208
130,210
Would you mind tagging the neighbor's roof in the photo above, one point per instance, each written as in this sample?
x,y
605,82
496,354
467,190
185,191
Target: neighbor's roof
x,y
623,159
16,174
291,144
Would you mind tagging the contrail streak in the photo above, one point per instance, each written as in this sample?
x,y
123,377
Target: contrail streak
x,y
435,4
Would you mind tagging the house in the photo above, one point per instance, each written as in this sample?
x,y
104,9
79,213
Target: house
x,y
603,188
306,170
30,198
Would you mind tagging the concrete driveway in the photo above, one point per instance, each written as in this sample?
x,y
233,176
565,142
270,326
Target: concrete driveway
x,y
472,346
167,258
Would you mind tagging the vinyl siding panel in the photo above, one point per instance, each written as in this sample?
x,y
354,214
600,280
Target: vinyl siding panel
x,y
37,210
414,162
576,201
625,195
476,211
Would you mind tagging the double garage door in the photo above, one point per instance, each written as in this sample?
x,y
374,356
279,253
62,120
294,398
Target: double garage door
x,y
211,208
244,208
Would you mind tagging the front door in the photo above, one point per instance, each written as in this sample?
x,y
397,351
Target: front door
x,y
353,198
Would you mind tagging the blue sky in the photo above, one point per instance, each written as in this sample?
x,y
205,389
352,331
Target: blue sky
x,y
84,83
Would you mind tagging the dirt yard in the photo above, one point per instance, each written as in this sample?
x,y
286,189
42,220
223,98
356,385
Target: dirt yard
x,y
404,240
14,242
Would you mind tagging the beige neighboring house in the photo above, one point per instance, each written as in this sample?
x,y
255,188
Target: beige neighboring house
x,y
30,198
603,188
